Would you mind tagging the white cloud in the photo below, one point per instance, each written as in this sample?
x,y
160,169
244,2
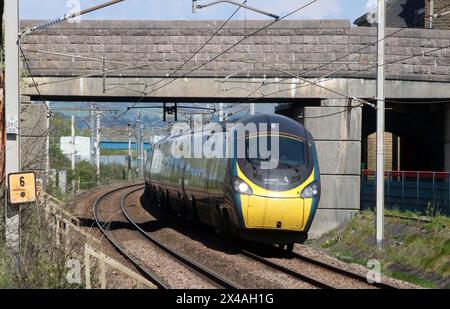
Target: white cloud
x,y
371,4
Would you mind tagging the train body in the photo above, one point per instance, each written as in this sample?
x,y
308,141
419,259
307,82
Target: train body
x,y
235,194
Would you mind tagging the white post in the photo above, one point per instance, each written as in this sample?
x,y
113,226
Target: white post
x,y
380,124
47,147
141,132
97,144
431,13
92,132
139,145
73,141
221,112
129,152
252,108
74,181
12,119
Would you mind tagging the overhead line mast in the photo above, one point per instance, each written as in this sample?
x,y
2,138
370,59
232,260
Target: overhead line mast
x,y
380,124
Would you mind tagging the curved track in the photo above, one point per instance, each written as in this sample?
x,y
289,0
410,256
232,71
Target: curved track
x,y
317,278
211,276
149,275
348,278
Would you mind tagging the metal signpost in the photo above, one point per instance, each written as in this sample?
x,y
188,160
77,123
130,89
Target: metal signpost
x,y
380,125
12,116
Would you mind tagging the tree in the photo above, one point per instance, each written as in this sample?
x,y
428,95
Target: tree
x,y
109,172
86,174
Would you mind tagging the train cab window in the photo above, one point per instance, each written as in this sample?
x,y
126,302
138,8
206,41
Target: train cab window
x,y
292,152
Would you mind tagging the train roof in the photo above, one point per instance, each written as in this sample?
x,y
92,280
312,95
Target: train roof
x,y
286,125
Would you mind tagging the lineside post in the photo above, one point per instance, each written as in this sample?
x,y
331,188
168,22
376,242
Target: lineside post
x,y
380,124
12,120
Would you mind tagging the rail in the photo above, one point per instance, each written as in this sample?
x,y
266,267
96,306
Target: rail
x,y
149,275
218,279
64,223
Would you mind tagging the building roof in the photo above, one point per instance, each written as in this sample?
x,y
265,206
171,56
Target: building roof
x,y
399,14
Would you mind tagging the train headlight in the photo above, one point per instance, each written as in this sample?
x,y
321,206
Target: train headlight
x,y
311,191
241,186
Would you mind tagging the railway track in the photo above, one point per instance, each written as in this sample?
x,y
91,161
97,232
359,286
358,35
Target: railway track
x,y
278,261
341,271
148,274
346,277
195,266
349,279
199,269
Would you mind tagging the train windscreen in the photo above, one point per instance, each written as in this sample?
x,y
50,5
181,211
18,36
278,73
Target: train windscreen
x,y
291,152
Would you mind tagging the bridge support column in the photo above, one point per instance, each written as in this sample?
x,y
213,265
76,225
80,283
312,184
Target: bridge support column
x,y
447,139
33,137
336,127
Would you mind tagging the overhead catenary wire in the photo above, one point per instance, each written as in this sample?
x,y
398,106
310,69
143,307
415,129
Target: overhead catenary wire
x,y
346,55
232,46
353,52
200,48
343,56
144,94
323,65
362,70
40,51
66,17
32,78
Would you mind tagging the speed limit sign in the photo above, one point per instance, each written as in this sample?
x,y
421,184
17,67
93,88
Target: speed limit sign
x,y
22,187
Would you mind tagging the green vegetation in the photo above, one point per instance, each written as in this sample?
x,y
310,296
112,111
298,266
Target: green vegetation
x,y
40,263
85,175
415,250
113,172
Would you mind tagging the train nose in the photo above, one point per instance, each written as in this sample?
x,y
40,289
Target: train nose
x,y
275,213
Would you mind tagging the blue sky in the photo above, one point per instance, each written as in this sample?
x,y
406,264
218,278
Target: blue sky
x,y
182,9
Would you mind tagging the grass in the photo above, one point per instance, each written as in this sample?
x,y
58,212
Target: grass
x,y
415,251
412,279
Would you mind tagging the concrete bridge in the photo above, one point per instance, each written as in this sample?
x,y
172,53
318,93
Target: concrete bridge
x,y
290,62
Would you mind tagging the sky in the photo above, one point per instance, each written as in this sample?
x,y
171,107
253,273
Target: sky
x,y
182,9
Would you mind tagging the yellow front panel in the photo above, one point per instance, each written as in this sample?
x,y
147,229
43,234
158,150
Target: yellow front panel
x,y
265,208
268,212
264,213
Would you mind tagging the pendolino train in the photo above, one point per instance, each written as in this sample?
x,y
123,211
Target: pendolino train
x,y
235,194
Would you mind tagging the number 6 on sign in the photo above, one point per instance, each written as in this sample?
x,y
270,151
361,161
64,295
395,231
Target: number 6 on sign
x,y
22,188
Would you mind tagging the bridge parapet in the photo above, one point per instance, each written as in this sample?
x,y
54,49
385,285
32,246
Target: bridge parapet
x,y
304,47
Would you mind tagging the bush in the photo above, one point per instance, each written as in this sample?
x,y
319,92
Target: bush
x,y
86,175
39,263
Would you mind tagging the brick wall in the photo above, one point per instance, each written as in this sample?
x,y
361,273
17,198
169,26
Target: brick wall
x,y
372,152
295,45
440,6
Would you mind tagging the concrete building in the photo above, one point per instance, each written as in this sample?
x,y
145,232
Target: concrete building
x,y
410,14
399,14
82,147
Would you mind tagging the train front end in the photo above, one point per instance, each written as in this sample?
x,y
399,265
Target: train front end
x,y
276,203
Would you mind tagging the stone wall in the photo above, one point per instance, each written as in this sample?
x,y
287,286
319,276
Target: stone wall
x,y
299,46
337,132
33,137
